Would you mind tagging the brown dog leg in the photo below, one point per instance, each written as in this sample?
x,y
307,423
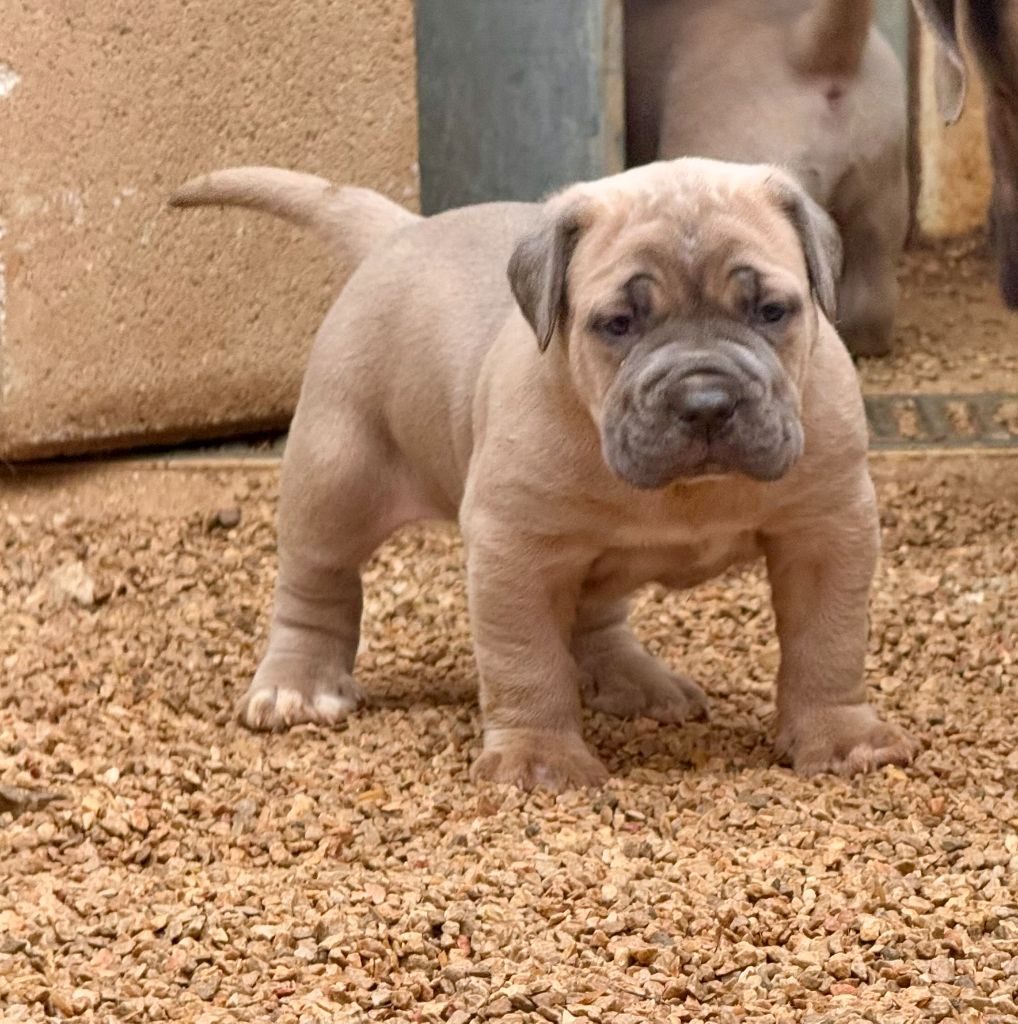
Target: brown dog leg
x,y
522,603
820,573
332,515
868,291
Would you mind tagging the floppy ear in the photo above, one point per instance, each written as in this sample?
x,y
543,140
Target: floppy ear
x,y
819,238
950,79
537,272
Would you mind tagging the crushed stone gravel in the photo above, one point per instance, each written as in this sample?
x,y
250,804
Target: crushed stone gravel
x,y
952,331
157,862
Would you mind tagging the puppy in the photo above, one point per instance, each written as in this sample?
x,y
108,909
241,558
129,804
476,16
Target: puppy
x,y
807,84
654,391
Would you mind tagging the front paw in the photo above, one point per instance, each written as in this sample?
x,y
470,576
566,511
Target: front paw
x,y
529,758
847,740
289,690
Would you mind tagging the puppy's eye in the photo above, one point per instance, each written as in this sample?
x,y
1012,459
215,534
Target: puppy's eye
x,y
772,313
618,326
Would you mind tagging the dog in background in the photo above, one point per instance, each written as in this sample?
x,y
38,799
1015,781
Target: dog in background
x,y
810,85
990,27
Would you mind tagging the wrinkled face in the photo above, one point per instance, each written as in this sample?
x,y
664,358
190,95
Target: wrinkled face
x,y
688,319
703,347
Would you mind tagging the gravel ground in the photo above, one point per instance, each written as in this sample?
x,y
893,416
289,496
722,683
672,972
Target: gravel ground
x,y
953,332
157,862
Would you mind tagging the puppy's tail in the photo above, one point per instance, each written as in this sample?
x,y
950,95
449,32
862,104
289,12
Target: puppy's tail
x,y
829,39
352,221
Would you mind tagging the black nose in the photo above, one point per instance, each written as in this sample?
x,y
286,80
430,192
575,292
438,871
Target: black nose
x,y
704,401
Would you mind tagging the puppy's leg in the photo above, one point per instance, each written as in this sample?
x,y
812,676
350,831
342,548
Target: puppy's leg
x,y
620,677
522,605
820,573
332,515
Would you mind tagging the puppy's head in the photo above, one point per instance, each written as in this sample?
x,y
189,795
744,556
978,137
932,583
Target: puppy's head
x,y
687,296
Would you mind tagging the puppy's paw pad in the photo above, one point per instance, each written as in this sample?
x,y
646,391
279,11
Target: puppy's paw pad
x,y
548,761
281,707
848,741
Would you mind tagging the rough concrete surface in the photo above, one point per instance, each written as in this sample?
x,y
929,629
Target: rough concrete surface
x,y
123,319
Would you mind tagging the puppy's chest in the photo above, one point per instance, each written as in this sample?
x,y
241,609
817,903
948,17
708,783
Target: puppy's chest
x,y
674,564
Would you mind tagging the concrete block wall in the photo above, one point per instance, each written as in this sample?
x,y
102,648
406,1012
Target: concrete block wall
x,y
122,321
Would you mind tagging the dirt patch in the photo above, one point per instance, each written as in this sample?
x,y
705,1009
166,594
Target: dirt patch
x,y
953,332
159,863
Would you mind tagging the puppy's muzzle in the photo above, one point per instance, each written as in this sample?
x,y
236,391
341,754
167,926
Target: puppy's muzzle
x,y
673,414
